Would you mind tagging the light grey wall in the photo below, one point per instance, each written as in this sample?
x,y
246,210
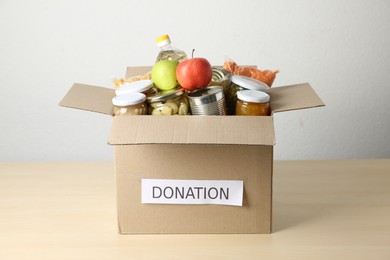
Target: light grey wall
x,y
341,47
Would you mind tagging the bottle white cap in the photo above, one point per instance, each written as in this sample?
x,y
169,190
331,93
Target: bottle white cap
x,y
249,83
133,87
163,40
128,99
164,43
253,96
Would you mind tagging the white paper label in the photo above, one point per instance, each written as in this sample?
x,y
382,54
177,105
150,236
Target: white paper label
x,y
163,191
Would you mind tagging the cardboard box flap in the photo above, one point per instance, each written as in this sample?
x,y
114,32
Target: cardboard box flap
x,y
293,97
244,130
90,98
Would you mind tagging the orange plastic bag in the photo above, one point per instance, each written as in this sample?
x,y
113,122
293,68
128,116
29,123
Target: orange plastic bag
x,y
265,76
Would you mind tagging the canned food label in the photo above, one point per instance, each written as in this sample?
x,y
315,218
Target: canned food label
x,y
165,191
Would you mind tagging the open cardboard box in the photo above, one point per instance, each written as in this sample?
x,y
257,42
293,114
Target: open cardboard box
x,y
193,148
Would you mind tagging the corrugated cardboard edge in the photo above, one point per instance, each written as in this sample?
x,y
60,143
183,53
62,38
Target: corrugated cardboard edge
x,y
248,130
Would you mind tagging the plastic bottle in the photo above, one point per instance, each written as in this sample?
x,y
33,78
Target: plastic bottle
x,y
167,51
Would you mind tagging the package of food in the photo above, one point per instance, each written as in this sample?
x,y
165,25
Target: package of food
x,y
265,76
120,81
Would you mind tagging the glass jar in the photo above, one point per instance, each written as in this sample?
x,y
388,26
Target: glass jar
x,y
169,102
241,83
141,86
129,104
252,103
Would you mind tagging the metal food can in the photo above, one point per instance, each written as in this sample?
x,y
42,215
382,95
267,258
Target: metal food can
x,y
207,101
220,74
221,77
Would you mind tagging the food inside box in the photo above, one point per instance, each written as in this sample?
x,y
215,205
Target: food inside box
x,y
178,85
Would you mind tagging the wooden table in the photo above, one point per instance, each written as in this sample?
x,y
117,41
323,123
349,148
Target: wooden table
x,y
322,210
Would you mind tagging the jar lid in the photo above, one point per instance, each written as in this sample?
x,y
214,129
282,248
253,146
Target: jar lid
x,y
249,83
136,86
165,95
128,99
253,96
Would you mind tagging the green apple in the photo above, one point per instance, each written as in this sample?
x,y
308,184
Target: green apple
x,y
164,74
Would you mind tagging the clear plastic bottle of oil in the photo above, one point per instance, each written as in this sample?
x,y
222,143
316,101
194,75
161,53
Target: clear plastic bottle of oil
x,y
167,51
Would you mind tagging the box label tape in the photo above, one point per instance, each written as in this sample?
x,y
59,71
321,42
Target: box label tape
x,y
164,191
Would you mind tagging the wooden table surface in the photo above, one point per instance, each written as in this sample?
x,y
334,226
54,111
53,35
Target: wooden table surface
x,y
322,210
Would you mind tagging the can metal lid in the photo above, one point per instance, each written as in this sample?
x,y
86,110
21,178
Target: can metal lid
x,y
253,96
220,74
165,95
206,95
200,92
136,86
249,83
128,99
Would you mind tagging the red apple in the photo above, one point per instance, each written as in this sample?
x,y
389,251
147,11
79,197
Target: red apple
x,y
194,73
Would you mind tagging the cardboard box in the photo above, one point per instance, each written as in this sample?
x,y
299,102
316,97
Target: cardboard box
x,y
193,148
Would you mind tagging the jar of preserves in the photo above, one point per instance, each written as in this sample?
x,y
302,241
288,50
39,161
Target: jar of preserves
x,y
169,102
141,86
129,104
241,83
252,103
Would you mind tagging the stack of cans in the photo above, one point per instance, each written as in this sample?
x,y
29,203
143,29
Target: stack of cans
x,y
207,101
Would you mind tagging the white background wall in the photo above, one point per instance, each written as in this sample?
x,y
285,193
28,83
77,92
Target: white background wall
x,y
341,47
